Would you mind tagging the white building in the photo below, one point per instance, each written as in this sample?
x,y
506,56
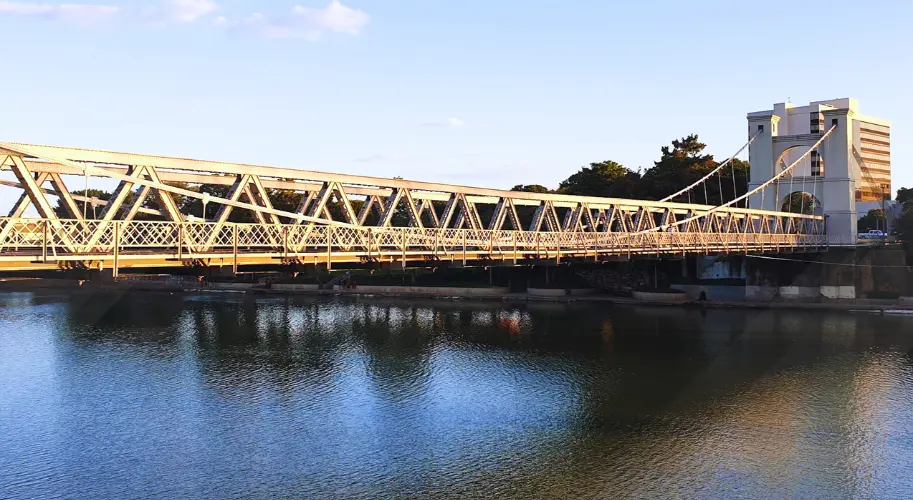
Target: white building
x,y
848,171
871,141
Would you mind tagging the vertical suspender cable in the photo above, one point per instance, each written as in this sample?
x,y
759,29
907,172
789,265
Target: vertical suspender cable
x,y
706,198
720,181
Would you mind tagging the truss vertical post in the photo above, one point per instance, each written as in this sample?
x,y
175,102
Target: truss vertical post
x,y
491,244
515,247
234,248
595,247
180,241
44,241
329,248
464,246
558,252
117,230
404,247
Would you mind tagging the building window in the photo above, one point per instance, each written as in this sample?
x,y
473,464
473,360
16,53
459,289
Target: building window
x,y
817,165
816,123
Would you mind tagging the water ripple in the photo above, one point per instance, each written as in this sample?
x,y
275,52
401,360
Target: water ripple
x,y
234,397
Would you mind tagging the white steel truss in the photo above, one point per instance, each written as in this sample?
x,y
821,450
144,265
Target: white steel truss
x,y
371,216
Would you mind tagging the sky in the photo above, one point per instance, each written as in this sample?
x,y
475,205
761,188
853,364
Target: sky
x,y
486,93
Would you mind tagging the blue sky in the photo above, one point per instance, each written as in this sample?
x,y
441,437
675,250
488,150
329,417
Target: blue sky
x,y
491,93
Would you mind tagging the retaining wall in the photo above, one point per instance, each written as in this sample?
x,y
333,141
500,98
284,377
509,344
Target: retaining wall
x,y
759,293
559,292
660,297
432,291
725,293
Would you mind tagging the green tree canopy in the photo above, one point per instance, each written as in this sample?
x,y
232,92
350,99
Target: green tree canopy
x,y
905,197
90,210
800,203
606,179
685,163
874,219
531,188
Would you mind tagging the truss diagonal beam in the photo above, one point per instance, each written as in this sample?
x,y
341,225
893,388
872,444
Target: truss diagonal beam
x,y
32,189
22,204
36,195
234,194
27,150
66,199
428,205
166,202
371,203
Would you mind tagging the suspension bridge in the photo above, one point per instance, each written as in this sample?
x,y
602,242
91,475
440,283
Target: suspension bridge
x,y
377,219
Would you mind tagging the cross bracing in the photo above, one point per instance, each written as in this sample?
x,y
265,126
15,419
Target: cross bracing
x,y
341,216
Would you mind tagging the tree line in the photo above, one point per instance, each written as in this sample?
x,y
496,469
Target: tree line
x,y
679,165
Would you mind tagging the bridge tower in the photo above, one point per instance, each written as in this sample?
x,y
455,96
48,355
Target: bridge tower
x,y
835,177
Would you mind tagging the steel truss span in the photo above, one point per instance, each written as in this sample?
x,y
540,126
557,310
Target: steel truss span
x,y
440,221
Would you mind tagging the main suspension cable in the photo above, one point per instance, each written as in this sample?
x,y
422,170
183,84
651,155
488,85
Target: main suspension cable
x,y
717,169
760,188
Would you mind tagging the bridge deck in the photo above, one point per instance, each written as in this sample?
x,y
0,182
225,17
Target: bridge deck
x,y
444,222
34,244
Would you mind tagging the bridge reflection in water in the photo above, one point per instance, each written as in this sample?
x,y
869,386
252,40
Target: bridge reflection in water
x,y
310,397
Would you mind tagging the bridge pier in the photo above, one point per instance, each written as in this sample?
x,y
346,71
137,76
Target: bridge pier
x,y
838,274
219,272
105,275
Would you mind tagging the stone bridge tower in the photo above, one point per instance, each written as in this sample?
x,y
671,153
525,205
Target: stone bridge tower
x,y
852,165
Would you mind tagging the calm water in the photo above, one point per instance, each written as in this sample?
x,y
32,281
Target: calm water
x,y
231,397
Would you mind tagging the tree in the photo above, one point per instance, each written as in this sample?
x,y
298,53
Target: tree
x,y
531,188
905,197
606,179
91,210
903,227
684,164
875,219
152,202
193,207
800,203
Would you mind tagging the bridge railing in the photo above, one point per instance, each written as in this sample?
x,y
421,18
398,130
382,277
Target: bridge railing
x,y
54,237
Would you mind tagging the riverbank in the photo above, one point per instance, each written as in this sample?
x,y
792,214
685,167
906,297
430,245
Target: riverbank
x,y
874,306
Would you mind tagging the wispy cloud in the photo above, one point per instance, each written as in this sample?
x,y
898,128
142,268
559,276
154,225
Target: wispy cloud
x,y
448,123
165,12
85,14
307,23
334,17
170,12
188,11
304,23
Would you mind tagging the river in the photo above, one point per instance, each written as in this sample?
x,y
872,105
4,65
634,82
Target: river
x,y
228,396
